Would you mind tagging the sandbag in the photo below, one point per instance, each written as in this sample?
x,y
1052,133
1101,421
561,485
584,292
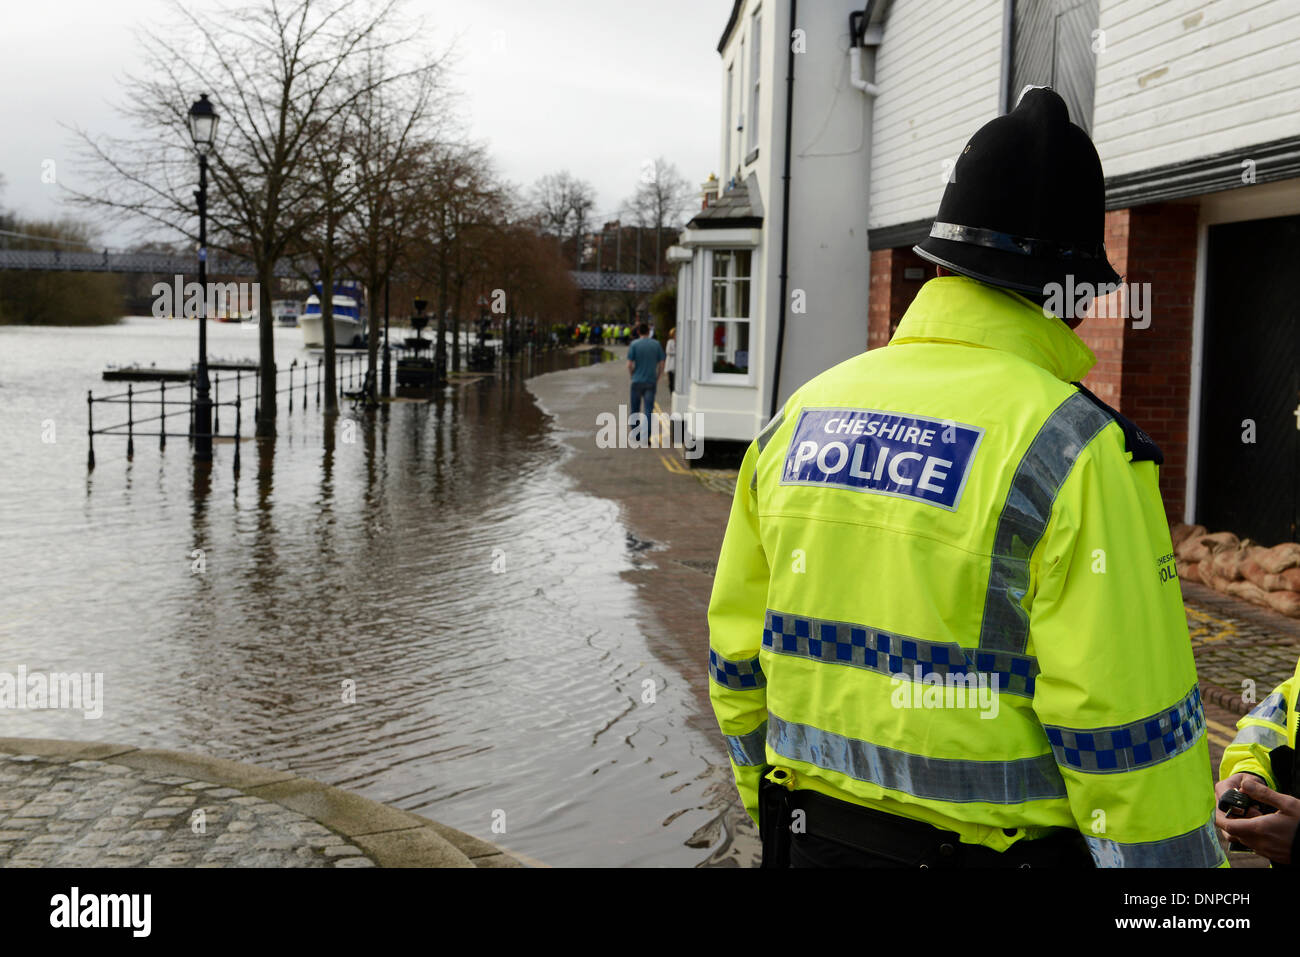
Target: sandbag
x,y
1249,591
1286,602
1252,572
1227,563
1278,558
1192,549
1208,576
1180,533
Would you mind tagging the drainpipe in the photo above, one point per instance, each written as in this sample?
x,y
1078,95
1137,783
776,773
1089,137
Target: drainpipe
x,y
785,214
855,78
859,22
1008,38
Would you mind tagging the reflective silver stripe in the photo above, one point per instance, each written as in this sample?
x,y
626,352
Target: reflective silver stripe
x,y
872,649
747,749
1270,738
769,430
1127,747
741,675
1034,488
763,438
938,779
1272,708
1198,848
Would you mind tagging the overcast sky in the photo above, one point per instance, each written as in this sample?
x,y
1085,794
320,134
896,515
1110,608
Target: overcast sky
x,y
592,86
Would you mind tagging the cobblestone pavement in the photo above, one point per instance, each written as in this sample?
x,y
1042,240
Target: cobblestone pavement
x,y
96,804
97,814
1242,651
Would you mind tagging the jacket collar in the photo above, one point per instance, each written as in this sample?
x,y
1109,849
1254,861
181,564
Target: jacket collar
x,y
958,309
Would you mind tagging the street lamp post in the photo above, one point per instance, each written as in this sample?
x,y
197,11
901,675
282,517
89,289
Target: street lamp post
x,y
203,130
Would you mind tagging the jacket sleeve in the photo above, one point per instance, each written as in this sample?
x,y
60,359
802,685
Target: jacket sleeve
x,y
737,608
1259,733
1117,692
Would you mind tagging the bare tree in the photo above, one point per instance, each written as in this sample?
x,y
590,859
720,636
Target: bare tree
x,y
393,126
661,199
322,244
563,204
276,71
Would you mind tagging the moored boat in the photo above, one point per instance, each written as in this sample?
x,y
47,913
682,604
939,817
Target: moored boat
x,y
285,312
349,321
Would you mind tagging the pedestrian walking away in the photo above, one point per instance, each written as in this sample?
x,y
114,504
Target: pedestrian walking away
x,y
645,364
670,364
945,629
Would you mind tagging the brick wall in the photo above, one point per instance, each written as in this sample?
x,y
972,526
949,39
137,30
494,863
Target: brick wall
x,y
1146,373
891,293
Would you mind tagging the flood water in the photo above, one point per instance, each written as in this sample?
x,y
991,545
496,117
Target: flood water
x,y
434,554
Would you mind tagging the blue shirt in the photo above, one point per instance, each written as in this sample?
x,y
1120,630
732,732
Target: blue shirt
x,y
647,353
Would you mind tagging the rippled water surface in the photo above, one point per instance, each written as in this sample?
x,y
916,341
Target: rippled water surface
x,y
359,553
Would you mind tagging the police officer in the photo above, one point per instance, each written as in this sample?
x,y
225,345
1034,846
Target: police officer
x,y
945,628
1261,764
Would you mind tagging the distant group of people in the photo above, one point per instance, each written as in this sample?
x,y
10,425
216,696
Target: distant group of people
x,y
602,333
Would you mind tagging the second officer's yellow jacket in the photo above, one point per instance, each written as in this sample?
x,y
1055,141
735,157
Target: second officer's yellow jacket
x,y
947,592
1271,724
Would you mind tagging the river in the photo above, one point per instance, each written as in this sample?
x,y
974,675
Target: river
x,y
431,560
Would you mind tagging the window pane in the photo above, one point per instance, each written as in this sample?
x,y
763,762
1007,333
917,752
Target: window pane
x,y
730,294
740,301
730,347
743,257
719,304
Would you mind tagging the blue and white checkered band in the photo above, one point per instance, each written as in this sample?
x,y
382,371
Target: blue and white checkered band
x,y
737,675
884,453
1129,747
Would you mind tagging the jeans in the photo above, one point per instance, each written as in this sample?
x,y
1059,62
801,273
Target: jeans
x,y
641,408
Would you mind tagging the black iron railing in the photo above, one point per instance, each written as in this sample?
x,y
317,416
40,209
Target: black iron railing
x,y
301,378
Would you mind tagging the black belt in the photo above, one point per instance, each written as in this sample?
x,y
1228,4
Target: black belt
x,y
900,840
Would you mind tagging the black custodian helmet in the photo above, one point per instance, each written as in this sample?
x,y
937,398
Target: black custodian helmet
x,y
1026,205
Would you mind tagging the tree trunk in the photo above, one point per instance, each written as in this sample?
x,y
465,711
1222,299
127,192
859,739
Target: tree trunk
x,y
440,352
455,324
266,350
327,321
372,334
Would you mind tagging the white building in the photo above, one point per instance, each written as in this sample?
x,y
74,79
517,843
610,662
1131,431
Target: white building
x,y
732,284
1195,111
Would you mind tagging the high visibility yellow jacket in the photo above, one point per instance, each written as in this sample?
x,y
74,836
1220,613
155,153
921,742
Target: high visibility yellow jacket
x,y
1270,724
947,592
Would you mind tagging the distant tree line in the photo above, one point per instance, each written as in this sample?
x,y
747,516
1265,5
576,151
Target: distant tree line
x,y
54,298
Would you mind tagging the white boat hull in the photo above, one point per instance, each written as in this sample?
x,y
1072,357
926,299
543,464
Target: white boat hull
x,y
347,331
